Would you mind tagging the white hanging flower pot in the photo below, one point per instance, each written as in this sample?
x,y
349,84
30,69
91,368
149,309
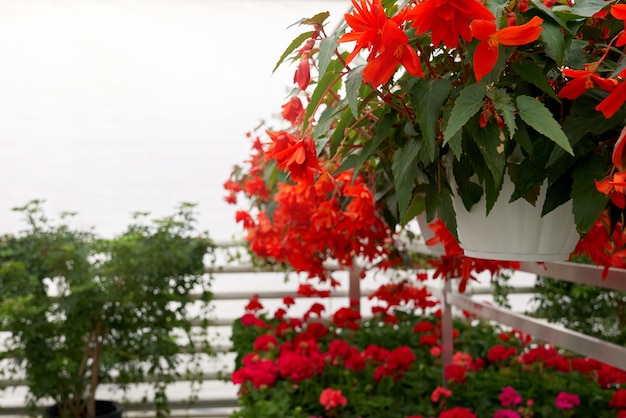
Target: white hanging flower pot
x,y
516,231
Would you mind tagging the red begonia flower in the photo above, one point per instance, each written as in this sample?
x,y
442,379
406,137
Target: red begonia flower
x,y
293,110
614,186
395,50
366,21
619,157
447,20
298,156
614,101
619,11
582,80
487,51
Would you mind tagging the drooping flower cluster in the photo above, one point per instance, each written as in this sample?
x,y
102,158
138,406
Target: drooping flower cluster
x,y
312,216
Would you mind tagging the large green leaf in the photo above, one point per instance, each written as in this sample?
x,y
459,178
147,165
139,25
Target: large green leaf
x,y
558,193
491,142
492,192
533,74
404,169
428,97
322,88
467,105
292,47
588,8
439,204
417,206
550,12
327,50
552,37
354,81
538,117
339,132
588,202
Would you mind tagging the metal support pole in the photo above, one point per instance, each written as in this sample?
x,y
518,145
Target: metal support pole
x,y
446,329
354,290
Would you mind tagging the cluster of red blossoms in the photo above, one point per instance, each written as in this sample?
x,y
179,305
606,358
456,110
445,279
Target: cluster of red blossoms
x,y
302,358
388,44
614,186
310,215
296,351
604,245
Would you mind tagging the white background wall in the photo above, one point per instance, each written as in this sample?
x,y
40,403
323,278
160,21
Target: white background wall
x,y
108,107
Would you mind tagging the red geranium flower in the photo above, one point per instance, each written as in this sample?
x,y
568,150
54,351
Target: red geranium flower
x,y
457,412
331,398
619,399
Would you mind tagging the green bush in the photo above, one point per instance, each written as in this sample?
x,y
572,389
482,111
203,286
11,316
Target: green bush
x,y
84,310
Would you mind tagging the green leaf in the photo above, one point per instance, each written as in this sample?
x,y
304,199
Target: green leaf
x,y
588,8
356,160
538,117
492,192
469,191
292,47
588,202
324,85
504,106
439,203
354,81
339,133
496,7
327,50
467,105
404,169
558,193
490,140
523,140
428,97
534,75
527,179
548,11
552,37
316,20
417,206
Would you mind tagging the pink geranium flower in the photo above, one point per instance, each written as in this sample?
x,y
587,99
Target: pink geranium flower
x,y
566,400
510,397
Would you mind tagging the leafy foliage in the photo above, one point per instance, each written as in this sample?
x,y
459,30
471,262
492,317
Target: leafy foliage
x,y
84,310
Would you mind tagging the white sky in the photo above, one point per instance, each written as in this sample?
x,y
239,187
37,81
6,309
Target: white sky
x,y
113,106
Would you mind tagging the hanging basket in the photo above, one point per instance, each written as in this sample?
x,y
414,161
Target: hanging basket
x,y
516,231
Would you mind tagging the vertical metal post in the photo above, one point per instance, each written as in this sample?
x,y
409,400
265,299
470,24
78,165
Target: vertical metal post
x,y
354,289
446,329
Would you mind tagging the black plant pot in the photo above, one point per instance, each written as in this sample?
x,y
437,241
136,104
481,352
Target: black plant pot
x,y
104,409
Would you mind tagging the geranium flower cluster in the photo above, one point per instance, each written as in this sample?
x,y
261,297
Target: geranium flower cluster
x,y
324,369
